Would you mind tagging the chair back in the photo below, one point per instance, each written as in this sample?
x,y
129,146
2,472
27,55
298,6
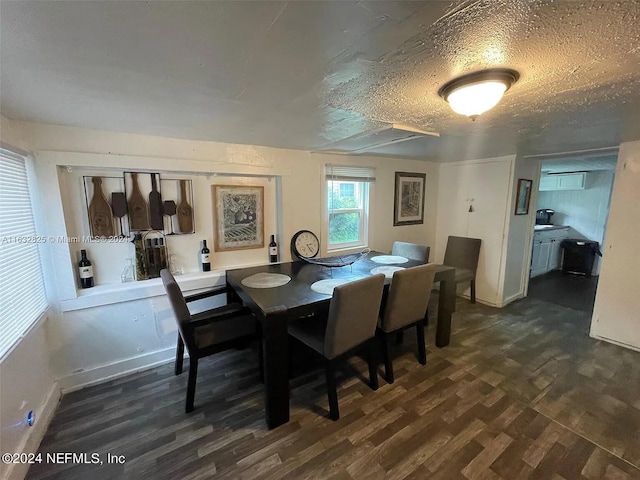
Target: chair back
x,y
178,303
408,297
462,252
412,251
353,314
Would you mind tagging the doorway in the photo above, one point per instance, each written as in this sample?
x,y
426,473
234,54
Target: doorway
x,y
572,210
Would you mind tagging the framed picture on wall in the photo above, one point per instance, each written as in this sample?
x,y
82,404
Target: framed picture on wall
x,y
408,204
523,196
239,217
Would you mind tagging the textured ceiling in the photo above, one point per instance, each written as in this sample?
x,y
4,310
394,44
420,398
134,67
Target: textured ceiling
x,y
306,74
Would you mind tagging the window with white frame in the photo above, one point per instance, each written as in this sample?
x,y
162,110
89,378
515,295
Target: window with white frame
x,y
347,205
22,293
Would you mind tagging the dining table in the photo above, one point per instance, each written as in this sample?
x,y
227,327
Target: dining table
x,y
276,305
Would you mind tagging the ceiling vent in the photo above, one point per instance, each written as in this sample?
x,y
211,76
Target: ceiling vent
x,y
370,141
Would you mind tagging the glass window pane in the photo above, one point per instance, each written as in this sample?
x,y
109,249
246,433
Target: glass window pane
x,y
344,227
342,195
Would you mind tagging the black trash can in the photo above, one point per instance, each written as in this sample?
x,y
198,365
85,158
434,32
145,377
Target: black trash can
x,y
579,255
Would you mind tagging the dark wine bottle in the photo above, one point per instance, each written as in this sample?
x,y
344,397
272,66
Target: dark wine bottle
x,y
85,271
273,249
204,257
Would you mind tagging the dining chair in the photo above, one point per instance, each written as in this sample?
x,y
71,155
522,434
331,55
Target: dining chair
x,y
349,325
412,251
406,307
463,253
208,332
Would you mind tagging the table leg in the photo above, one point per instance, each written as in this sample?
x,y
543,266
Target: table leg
x,y
275,351
446,307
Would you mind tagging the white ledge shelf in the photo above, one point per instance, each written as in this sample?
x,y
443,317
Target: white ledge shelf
x,y
113,293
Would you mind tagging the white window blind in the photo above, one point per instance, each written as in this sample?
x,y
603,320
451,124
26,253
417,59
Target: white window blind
x,y
22,293
346,173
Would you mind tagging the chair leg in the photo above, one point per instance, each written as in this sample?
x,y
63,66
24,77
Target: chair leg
x,y
261,360
191,385
371,360
179,355
332,392
473,291
388,365
422,350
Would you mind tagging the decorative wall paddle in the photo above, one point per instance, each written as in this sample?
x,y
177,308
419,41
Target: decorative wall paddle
x,y
155,206
100,218
138,211
185,212
119,207
169,209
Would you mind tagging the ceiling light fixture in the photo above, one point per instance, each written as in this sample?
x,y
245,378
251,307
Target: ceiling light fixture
x,y
477,92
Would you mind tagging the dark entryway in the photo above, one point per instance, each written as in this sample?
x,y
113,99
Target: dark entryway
x,y
573,291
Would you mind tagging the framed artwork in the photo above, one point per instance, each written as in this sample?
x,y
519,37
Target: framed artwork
x,y
239,217
523,196
408,204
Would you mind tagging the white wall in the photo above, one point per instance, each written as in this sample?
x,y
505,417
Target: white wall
x,y
585,211
26,382
107,330
520,235
616,316
486,185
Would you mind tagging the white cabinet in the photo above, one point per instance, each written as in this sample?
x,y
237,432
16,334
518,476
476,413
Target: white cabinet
x,y
563,181
546,254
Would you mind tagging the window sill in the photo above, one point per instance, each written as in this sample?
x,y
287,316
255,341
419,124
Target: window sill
x,y
101,295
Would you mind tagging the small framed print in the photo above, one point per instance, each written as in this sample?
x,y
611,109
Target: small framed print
x,y
408,205
239,217
523,196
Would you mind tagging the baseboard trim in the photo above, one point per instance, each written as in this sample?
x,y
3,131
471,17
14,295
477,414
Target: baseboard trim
x,y
31,442
104,373
615,342
512,298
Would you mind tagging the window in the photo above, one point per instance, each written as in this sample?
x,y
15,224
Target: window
x,y
22,293
348,205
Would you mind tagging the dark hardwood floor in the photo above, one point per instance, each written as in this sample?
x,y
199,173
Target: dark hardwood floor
x,y
568,290
521,392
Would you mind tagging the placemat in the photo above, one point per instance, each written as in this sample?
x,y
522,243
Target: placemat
x,y
266,280
326,286
388,271
389,259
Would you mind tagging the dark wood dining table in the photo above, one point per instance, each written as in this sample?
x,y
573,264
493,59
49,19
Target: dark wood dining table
x,y
277,306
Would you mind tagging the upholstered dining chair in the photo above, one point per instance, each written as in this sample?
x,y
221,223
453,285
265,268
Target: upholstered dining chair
x,y
406,307
412,251
207,332
463,253
350,324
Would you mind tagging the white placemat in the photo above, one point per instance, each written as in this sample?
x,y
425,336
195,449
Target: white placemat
x,y
266,280
386,259
326,286
388,271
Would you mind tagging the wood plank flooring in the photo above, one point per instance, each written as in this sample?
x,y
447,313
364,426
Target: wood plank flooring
x,y
521,393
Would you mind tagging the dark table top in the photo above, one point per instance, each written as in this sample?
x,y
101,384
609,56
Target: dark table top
x,y
296,296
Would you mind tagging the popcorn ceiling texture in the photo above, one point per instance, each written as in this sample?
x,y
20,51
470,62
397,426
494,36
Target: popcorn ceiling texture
x,y
307,74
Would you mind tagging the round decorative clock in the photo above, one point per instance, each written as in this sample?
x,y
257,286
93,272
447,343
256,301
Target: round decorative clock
x,y
305,244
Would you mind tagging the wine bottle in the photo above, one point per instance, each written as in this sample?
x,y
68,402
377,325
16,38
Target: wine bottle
x,y
273,250
204,257
85,271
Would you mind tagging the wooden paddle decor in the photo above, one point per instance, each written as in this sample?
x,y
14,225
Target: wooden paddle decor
x,y
138,211
185,212
100,218
155,205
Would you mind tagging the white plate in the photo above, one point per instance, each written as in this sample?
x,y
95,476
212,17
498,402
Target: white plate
x,y
326,286
388,271
386,259
266,280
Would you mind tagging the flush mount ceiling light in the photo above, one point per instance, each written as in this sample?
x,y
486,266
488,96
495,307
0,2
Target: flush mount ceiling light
x,y
477,92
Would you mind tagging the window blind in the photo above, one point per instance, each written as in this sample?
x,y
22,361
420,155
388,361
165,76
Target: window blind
x,y
22,293
346,173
